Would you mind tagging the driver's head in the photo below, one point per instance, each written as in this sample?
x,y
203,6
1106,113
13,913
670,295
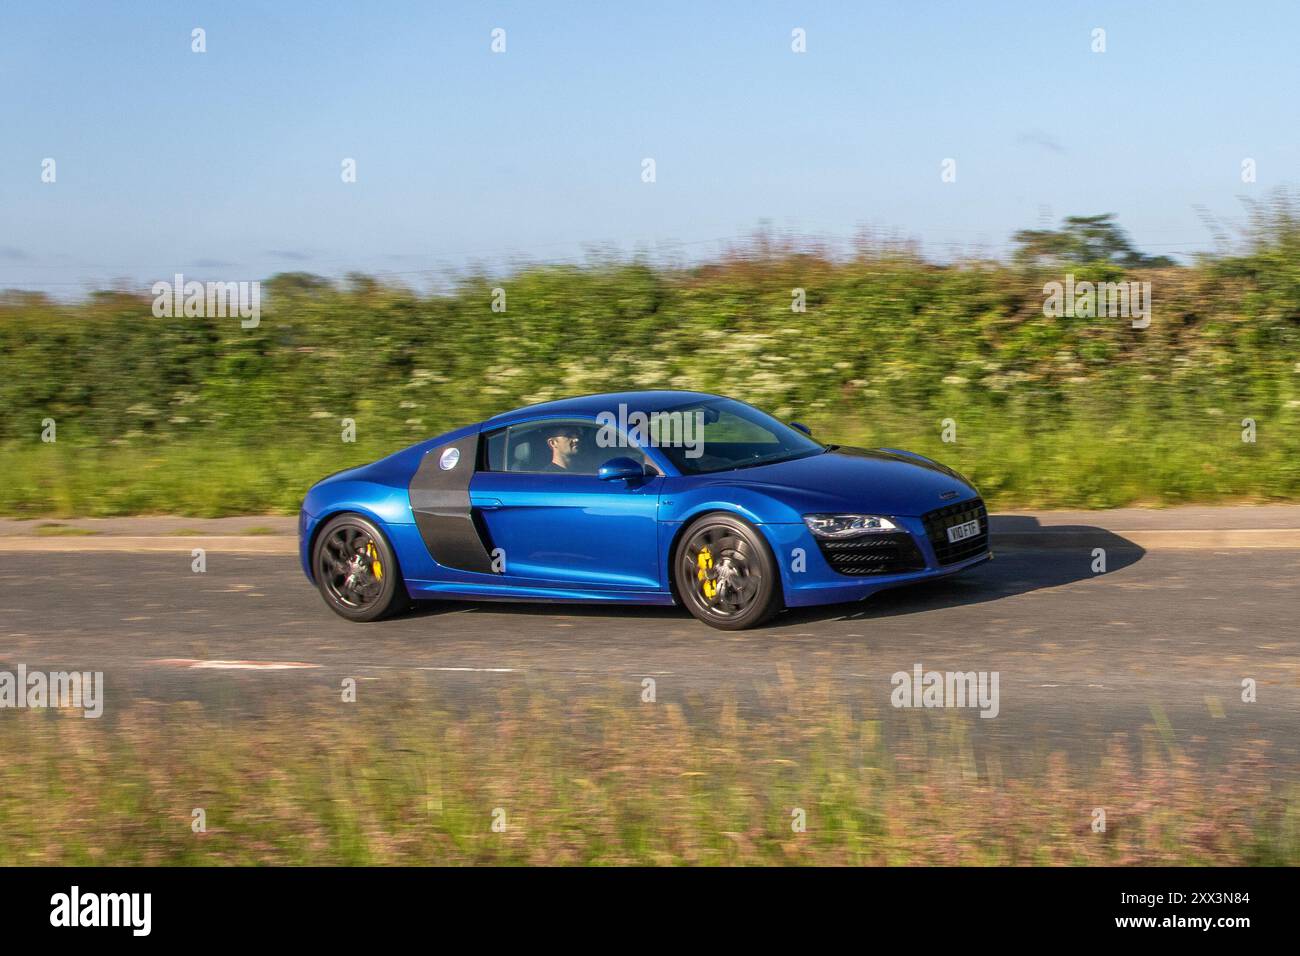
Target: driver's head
x,y
563,442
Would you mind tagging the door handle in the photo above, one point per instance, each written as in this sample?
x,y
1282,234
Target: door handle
x,y
487,504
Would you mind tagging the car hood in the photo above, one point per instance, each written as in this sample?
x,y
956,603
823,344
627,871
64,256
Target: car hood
x,y
874,481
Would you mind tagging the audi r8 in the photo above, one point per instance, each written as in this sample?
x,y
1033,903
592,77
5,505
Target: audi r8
x,y
652,497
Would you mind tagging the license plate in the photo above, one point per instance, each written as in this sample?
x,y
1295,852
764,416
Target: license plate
x,y
960,532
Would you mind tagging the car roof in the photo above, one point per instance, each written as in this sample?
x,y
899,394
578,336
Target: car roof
x,y
587,406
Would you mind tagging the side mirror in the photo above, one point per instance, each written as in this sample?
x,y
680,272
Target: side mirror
x,y
802,427
620,469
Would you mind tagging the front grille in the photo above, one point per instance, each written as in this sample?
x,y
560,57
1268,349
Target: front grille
x,y
873,554
938,522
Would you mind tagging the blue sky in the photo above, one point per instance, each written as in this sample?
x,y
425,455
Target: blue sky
x,y
226,164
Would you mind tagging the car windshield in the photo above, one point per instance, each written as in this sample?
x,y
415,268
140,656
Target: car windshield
x,y
720,434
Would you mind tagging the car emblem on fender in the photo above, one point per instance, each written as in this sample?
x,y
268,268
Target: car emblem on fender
x,y
948,495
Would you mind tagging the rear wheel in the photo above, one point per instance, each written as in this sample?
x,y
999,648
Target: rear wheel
x,y
725,574
356,570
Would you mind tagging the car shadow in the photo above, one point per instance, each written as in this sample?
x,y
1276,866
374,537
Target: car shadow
x,y
1023,561
649,612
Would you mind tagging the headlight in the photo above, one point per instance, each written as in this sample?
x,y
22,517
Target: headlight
x,y
847,526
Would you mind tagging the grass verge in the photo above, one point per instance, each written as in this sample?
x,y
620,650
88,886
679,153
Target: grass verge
x,y
600,781
1083,461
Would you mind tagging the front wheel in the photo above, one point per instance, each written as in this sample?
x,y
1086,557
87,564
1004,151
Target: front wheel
x,y
356,570
725,574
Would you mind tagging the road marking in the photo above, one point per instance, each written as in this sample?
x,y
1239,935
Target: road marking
x,y
232,665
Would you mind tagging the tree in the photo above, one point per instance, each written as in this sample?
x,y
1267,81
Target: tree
x,y
1082,239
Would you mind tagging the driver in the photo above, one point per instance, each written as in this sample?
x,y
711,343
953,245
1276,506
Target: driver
x,y
563,442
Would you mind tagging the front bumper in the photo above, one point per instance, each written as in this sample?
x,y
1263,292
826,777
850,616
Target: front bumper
x,y
808,579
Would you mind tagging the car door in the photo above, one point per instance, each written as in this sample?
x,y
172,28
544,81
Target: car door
x,y
567,528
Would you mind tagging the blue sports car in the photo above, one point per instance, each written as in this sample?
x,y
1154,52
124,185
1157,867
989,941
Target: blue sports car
x,y
657,497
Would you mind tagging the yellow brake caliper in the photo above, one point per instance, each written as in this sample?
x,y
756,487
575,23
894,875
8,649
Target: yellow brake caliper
x,y
704,564
375,564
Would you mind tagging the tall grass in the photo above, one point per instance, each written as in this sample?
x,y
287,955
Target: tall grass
x,y
606,779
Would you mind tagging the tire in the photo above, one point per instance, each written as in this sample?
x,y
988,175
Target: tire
x,y
356,570
725,573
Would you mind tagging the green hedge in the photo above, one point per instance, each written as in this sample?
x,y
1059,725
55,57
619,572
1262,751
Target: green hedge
x,y
203,416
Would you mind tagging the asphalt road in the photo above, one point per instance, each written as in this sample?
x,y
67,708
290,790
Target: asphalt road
x,y
1080,656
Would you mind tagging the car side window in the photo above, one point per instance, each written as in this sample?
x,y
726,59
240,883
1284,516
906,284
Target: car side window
x,y
554,446
495,455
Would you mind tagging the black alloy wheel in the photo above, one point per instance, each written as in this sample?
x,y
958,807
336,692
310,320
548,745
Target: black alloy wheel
x,y
725,574
356,571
